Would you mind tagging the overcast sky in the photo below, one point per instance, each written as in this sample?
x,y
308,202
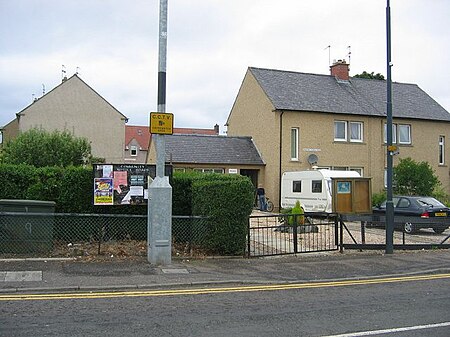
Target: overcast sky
x,y
114,44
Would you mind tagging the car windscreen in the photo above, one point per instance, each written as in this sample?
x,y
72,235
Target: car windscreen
x,y
430,202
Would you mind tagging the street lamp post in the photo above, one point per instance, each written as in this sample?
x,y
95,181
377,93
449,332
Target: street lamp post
x,y
159,233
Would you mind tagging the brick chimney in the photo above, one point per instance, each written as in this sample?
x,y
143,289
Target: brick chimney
x,y
339,69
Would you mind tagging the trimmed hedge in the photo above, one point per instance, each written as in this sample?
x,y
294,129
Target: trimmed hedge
x,y
227,200
227,203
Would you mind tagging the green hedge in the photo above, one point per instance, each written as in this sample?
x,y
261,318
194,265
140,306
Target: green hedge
x,y
227,200
227,203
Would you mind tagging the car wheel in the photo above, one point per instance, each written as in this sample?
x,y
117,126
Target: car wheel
x,y
409,228
439,230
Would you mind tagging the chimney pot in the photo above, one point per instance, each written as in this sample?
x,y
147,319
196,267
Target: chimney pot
x,y
340,70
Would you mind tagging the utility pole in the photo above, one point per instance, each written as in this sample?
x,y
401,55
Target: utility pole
x,y
159,234
389,148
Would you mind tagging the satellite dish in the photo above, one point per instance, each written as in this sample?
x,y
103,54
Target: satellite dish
x,y
313,159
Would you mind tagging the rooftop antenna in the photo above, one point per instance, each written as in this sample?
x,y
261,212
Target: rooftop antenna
x,y
77,70
63,72
329,54
349,53
43,89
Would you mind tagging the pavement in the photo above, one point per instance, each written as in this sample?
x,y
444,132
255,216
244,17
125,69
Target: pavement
x,y
58,275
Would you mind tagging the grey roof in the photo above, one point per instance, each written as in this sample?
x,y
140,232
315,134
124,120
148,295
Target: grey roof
x,y
289,90
207,149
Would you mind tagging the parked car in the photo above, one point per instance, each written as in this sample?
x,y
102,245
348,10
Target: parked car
x,y
425,209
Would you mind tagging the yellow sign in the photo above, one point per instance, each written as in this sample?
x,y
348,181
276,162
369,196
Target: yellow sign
x,y
161,123
392,148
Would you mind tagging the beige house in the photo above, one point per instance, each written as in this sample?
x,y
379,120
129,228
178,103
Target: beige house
x,y
76,107
300,121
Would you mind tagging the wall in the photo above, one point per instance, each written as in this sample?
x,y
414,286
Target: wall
x,y
75,107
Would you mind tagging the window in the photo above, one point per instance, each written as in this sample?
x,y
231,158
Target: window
x,y
297,186
356,132
209,170
441,150
340,131
404,134
133,150
316,186
357,169
294,144
394,133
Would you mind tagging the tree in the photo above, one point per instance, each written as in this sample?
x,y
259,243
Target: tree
x,y
41,148
413,178
370,76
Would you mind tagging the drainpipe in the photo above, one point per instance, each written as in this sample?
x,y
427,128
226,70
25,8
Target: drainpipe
x,y
281,151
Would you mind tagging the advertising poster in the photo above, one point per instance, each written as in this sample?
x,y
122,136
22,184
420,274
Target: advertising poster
x,y
103,191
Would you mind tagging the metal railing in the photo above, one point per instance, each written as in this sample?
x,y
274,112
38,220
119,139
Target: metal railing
x,y
368,232
67,235
292,234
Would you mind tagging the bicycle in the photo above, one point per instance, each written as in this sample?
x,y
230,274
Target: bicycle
x,y
269,205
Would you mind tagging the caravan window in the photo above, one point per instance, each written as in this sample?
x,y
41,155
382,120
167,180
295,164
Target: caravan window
x,y
297,186
316,186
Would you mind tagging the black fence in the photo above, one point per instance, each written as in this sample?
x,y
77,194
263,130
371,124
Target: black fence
x,y
369,232
71,235
291,234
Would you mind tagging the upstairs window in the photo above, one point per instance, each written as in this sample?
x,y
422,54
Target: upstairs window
x,y
441,150
404,134
294,144
133,150
356,132
340,131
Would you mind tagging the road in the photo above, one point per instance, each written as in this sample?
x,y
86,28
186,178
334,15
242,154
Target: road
x,y
418,304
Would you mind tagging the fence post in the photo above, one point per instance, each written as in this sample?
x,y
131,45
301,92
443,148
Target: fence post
x,y
248,237
341,234
294,233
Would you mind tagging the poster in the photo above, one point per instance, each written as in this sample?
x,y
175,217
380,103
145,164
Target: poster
x,y
103,191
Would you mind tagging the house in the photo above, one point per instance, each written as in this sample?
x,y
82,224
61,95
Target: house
x,y
208,153
137,140
300,121
74,106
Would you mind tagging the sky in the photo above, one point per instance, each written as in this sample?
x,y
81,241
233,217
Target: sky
x,y
113,45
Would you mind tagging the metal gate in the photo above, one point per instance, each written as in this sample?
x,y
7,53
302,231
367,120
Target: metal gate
x,y
280,234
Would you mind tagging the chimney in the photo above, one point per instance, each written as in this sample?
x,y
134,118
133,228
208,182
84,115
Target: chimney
x,y
340,69
216,129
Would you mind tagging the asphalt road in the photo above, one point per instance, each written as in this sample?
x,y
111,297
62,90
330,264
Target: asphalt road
x,y
421,304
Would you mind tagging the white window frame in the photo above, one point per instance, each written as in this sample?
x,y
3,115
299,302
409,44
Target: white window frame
x,y
340,139
441,150
407,127
394,133
360,129
133,150
294,144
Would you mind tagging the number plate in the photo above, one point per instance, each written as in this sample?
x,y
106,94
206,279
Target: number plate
x,y
441,214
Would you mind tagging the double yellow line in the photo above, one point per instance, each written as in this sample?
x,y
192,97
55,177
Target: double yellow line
x,y
198,291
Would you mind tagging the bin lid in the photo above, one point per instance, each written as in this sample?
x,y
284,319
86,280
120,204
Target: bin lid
x,y
21,202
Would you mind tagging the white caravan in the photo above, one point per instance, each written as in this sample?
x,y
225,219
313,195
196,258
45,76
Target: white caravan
x,y
312,188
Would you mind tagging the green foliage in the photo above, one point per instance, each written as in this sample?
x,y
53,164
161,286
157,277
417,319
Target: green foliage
x,y
414,178
378,198
41,148
227,202
370,76
441,195
15,180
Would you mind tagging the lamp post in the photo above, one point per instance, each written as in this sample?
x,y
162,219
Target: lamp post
x,y
159,226
389,147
